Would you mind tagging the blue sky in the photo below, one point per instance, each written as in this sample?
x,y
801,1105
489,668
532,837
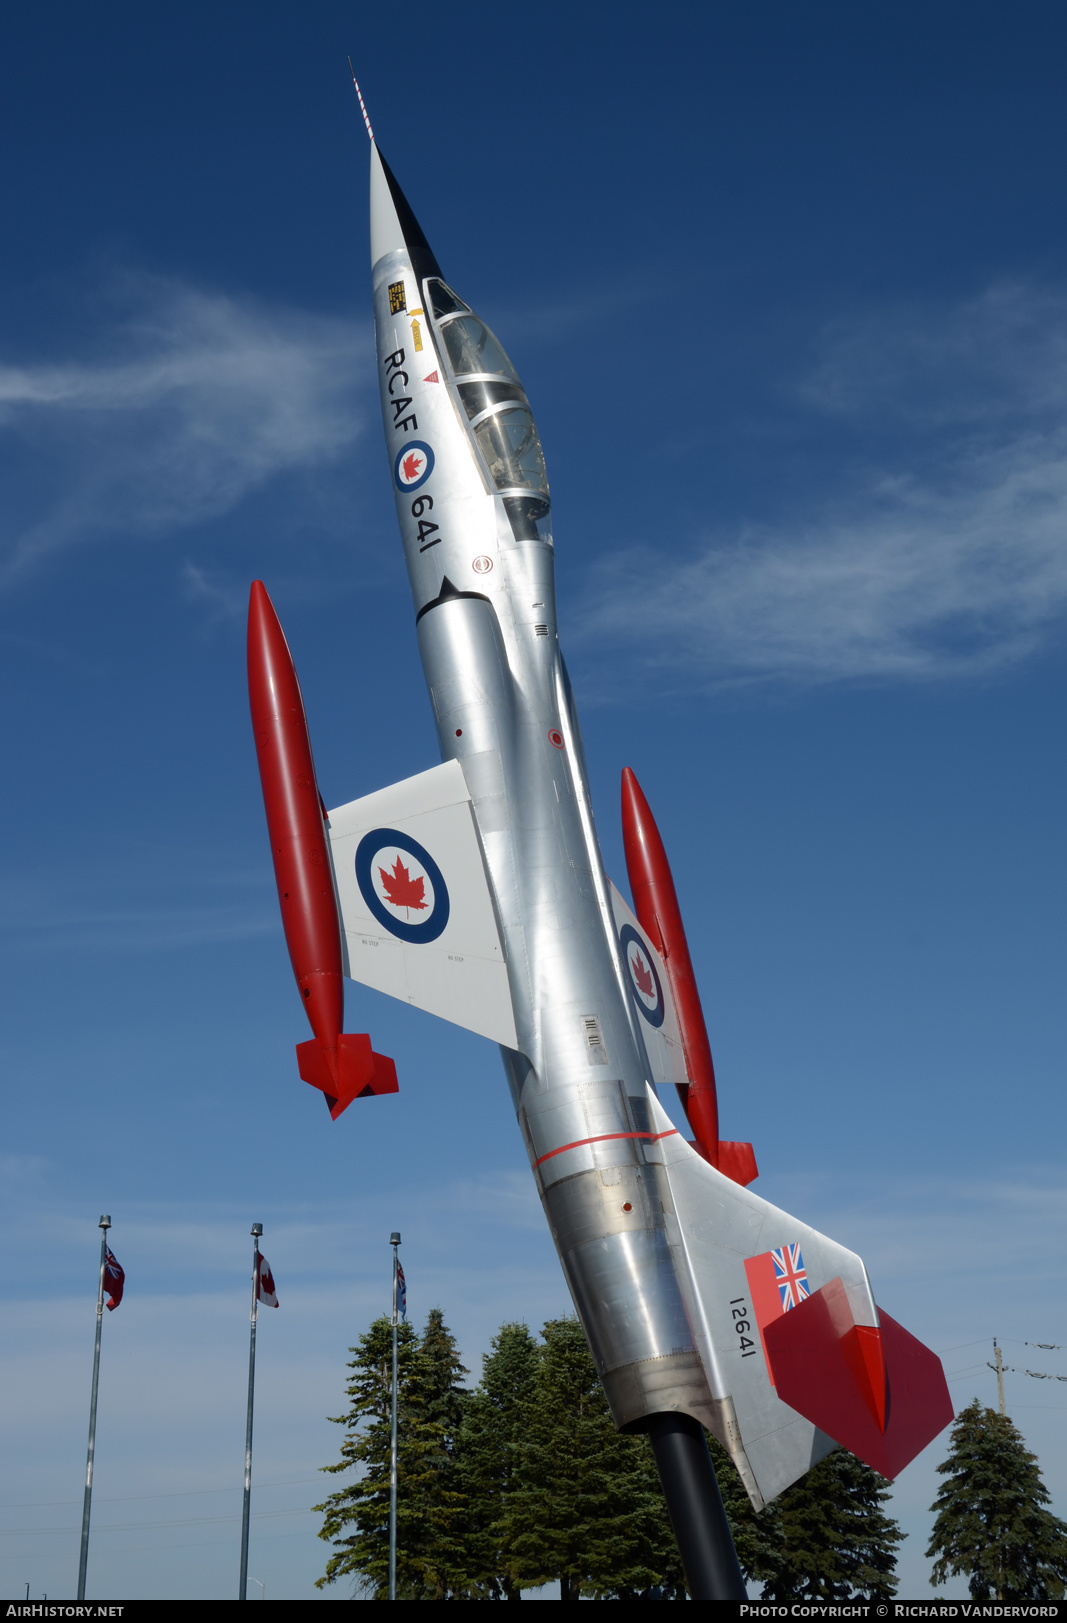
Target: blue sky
x,y
788,291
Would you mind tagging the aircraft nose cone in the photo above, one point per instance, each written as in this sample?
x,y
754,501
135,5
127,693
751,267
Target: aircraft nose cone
x,y
393,225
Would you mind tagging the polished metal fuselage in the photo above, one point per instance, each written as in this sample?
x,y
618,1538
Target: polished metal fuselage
x,y
486,624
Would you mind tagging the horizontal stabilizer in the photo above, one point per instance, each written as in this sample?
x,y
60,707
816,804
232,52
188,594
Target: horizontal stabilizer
x,y
352,1071
878,1392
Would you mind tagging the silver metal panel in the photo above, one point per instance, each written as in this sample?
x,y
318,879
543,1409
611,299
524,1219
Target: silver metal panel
x,y
623,1285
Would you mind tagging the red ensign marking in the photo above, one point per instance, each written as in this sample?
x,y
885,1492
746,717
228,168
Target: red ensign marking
x,y
602,1138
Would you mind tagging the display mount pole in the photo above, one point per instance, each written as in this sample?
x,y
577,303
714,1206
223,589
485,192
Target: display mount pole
x,y
257,1230
394,1241
697,1513
83,1559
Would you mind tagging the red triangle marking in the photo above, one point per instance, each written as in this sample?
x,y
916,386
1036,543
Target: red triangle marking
x,y
431,377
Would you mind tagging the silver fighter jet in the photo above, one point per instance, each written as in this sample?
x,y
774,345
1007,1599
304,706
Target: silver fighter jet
x,y
477,890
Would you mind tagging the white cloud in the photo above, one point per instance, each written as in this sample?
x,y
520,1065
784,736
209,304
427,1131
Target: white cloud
x,y
225,597
947,558
999,357
201,400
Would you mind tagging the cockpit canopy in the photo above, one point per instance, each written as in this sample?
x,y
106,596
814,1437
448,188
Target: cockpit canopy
x,y
497,411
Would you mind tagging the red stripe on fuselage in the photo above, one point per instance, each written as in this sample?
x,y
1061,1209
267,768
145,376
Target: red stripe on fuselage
x,y
602,1138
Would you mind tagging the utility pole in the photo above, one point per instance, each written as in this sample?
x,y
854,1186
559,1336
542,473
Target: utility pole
x,y
83,1558
1000,1374
394,1241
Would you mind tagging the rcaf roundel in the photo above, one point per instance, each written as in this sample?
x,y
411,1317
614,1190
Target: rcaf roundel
x,y
402,885
643,975
413,465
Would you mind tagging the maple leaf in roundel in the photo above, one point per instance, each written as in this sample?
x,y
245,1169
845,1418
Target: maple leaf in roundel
x,y
411,465
642,976
401,889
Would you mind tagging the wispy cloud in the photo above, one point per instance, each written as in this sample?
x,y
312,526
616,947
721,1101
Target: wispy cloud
x,y
138,912
945,557
222,595
914,1229
200,399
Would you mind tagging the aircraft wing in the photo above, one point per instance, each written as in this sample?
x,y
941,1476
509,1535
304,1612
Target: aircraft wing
x,y
652,994
418,919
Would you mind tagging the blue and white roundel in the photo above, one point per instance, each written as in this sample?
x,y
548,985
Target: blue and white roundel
x,y
402,885
413,465
644,977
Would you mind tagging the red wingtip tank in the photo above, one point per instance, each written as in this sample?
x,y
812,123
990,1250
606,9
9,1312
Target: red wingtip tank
x,y
656,905
339,1063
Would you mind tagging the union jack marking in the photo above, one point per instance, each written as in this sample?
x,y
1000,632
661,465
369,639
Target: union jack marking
x,y
790,1276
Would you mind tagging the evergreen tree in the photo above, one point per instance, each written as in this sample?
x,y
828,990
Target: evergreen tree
x,y
991,1518
824,1538
445,1394
837,1542
495,1422
444,1402
428,1505
585,1505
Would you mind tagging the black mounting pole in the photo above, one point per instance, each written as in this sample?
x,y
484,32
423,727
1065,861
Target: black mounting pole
x,y
694,1502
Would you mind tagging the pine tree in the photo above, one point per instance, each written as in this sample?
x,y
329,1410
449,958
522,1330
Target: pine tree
x,y
444,1375
837,1542
494,1425
443,1405
428,1505
824,1538
585,1506
991,1518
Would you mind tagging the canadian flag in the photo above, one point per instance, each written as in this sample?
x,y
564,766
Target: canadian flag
x,y
265,1283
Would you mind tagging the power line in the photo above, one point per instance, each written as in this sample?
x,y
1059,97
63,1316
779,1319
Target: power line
x,y
1046,1346
1035,1374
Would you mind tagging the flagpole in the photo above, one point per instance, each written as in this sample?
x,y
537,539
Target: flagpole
x,y
394,1241
257,1230
83,1559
